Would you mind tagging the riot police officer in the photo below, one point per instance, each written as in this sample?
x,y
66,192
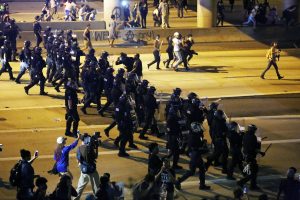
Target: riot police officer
x,y
251,147
125,124
176,101
91,55
195,111
137,66
235,137
37,28
46,35
196,145
92,81
174,133
219,130
13,34
116,92
75,53
51,58
141,90
150,105
36,73
25,59
103,62
5,56
126,61
71,101
213,107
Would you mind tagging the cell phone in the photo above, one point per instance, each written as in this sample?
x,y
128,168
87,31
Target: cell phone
x,y
36,153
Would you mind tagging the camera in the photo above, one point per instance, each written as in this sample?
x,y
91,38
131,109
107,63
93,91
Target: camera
x,y
93,140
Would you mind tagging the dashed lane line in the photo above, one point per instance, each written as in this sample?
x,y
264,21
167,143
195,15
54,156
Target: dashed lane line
x,y
115,152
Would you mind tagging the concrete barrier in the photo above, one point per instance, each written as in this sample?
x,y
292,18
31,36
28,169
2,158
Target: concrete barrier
x,y
95,25
225,34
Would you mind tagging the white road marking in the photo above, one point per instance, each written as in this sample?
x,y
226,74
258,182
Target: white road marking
x,y
105,125
115,152
163,100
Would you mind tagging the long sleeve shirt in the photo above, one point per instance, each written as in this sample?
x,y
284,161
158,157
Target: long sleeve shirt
x,y
63,162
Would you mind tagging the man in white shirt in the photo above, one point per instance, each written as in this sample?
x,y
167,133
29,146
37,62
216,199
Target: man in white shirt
x,y
69,7
177,42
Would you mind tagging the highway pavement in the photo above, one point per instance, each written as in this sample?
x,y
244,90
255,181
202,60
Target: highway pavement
x,y
34,122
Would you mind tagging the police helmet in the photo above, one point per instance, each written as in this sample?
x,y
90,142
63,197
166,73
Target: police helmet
x,y
121,71
145,82
196,127
175,99
196,102
69,32
219,114
6,42
251,128
213,105
232,126
192,95
177,91
37,50
123,99
27,43
152,90
104,54
110,70
92,51
93,64
48,28
122,54
37,18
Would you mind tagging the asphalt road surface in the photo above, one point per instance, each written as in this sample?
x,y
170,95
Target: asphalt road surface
x,y
34,122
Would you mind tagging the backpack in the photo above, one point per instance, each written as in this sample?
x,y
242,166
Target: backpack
x,y
15,174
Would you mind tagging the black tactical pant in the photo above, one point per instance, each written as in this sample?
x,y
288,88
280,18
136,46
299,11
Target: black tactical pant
x,y
38,38
51,69
252,176
72,118
125,135
220,149
236,160
149,122
35,79
173,146
6,67
195,162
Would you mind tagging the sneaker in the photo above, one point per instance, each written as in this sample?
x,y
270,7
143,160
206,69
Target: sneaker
x,y
133,146
44,93
26,90
158,68
142,137
12,79
83,110
280,77
123,154
262,77
148,66
204,187
18,81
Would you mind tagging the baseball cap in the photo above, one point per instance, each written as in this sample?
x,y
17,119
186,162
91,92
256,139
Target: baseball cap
x,y
60,140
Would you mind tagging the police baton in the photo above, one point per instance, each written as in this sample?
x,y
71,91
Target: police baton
x,y
268,148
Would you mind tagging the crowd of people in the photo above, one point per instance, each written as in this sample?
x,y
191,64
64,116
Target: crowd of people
x,y
133,104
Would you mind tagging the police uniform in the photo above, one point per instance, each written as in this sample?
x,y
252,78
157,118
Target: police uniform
x,y
126,61
251,147
5,57
36,73
25,59
219,130
71,101
37,28
196,146
150,105
142,89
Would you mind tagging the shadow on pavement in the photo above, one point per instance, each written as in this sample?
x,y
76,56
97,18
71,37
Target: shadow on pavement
x,y
209,69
